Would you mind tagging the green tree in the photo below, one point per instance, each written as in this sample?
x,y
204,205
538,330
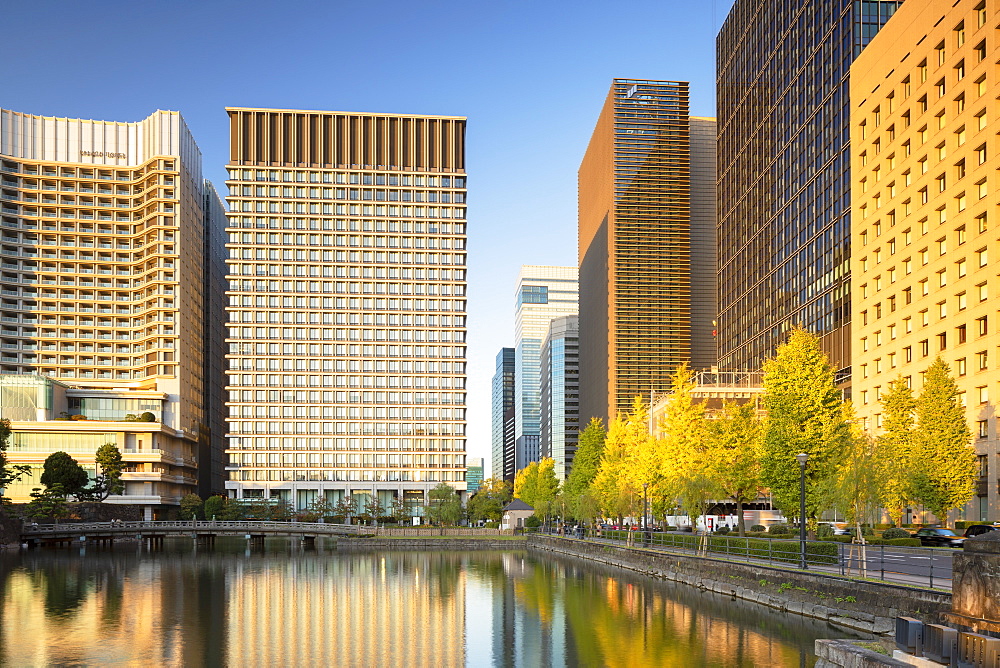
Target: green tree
x,y
322,508
191,507
347,508
734,446
587,459
445,506
372,509
857,482
61,469
401,509
680,464
536,484
944,460
489,500
9,473
894,451
215,507
110,466
804,414
627,442
48,502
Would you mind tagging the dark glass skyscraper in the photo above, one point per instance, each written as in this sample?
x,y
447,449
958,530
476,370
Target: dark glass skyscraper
x,y
503,416
784,172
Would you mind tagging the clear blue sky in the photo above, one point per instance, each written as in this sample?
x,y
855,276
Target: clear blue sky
x,y
530,75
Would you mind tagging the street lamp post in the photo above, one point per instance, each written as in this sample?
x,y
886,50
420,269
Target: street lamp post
x,y
802,458
645,514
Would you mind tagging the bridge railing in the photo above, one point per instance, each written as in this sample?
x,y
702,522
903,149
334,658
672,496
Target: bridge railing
x,y
188,526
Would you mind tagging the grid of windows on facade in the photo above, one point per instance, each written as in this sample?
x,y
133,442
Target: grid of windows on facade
x,y
923,203
534,294
90,290
784,172
346,332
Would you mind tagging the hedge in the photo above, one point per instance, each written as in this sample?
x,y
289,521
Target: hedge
x,y
762,548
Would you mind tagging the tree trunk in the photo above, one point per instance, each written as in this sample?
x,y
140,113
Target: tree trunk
x,y
740,522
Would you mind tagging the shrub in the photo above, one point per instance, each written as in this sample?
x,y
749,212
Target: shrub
x,y
492,525
722,531
77,417
779,529
758,527
891,533
147,417
824,531
533,522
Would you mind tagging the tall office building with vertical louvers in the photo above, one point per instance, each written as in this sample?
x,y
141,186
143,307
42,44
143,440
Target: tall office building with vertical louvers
x,y
646,212
108,231
346,306
784,179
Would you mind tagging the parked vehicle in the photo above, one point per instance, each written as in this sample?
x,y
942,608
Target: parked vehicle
x,y
839,528
980,529
936,536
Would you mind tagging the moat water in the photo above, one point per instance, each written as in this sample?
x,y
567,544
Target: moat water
x,y
289,606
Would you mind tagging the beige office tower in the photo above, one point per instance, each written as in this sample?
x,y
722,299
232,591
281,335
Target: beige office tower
x,y
105,276
347,307
924,196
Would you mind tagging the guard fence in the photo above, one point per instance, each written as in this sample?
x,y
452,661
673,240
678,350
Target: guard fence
x,y
917,566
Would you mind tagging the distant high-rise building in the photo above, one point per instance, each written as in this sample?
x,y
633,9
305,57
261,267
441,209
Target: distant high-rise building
x,y
924,203
784,173
647,260
474,478
347,305
543,293
503,416
560,408
111,243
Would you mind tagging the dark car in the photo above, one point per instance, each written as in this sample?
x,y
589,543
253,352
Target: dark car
x,y
980,529
939,537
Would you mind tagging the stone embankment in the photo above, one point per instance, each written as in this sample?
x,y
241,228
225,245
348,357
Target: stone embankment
x,y
432,543
10,531
862,606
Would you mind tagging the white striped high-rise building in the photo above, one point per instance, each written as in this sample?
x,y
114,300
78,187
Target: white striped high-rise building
x,y
346,306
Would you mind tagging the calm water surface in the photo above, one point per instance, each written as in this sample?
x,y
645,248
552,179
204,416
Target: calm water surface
x,y
285,606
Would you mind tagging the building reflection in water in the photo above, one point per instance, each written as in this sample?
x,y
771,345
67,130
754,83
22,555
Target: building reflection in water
x,y
285,606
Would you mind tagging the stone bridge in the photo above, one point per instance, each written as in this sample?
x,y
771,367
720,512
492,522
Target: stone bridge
x,y
206,531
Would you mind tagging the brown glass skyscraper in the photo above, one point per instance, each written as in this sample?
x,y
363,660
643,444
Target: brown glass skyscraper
x,y
646,208
784,173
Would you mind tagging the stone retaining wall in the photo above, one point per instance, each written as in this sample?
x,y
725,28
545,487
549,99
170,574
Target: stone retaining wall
x,y
863,606
10,531
430,543
846,654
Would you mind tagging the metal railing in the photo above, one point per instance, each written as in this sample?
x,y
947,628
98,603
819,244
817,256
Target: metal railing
x,y
915,566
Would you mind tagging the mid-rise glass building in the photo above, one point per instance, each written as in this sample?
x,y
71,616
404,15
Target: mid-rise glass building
x,y
560,393
347,292
784,182
542,293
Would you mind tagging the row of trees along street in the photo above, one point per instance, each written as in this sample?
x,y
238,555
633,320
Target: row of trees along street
x,y
922,455
444,507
